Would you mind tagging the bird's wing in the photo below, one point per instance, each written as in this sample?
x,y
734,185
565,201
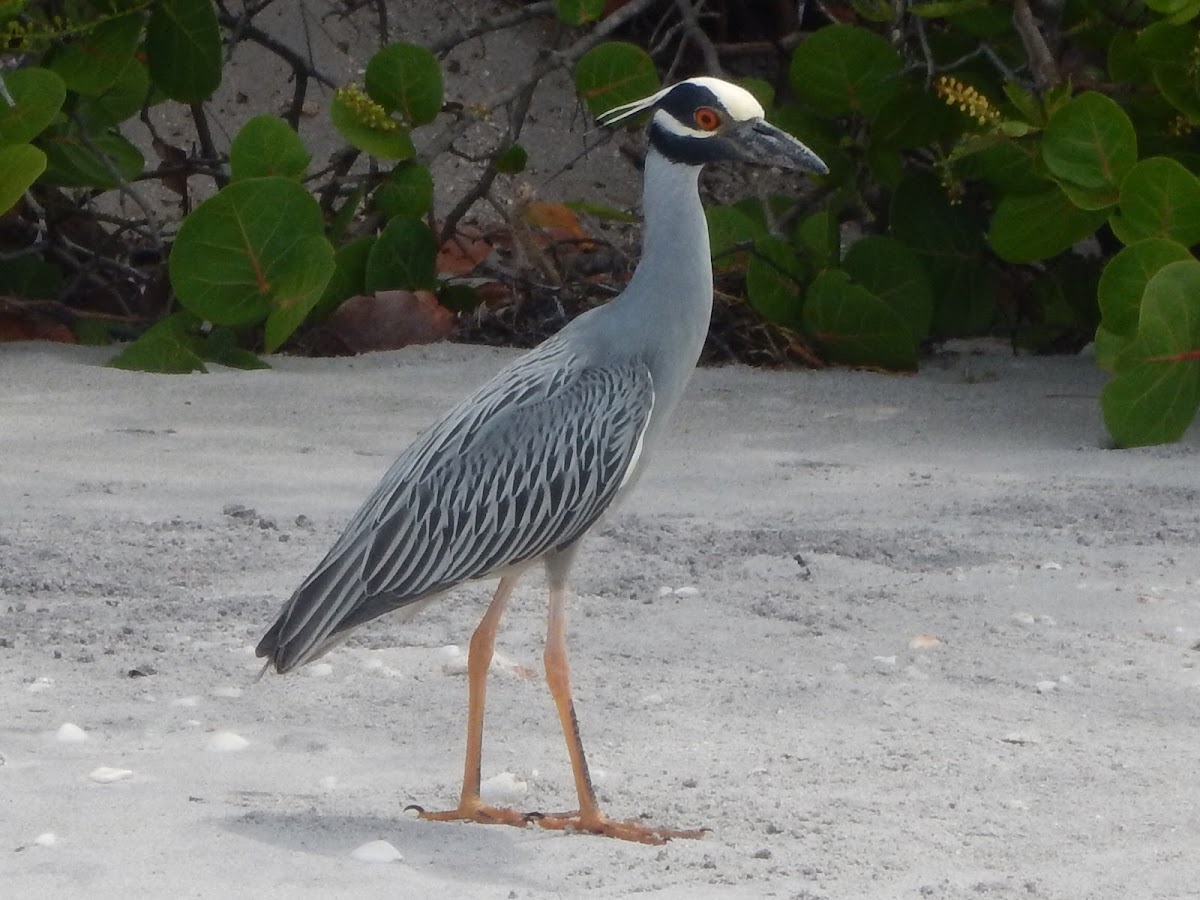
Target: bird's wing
x,y
523,467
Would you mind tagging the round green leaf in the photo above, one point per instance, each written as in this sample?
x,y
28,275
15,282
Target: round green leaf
x,y
408,79
349,277
842,70
122,99
1156,392
948,239
38,95
892,272
727,228
172,347
1159,198
384,140
853,326
408,191
1090,142
613,73
1169,49
103,160
20,166
579,12
1029,227
235,254
404,256
183,49
266,145
1125,278
512,160
304,270
93,62
773,281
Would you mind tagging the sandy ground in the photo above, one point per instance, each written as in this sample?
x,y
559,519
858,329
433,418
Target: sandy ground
x,y
817,523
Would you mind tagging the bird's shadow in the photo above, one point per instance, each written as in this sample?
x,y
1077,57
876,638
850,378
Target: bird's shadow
x,y
464,851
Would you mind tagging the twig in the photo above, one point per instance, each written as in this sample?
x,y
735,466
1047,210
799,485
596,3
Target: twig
x,y
696,34
487,24
241,26
1041,60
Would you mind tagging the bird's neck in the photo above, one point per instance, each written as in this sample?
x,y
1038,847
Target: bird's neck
x,y
672,285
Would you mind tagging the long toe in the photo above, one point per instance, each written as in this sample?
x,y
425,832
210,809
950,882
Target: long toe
x,y
481,813
622,829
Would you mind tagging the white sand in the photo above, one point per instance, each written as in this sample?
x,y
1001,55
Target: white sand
x,y
831,524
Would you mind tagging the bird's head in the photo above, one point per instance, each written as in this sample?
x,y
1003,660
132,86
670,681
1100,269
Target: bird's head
x,y
703,120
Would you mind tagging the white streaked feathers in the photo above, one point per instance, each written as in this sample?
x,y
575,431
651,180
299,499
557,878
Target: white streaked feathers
x,y
522,468
737,101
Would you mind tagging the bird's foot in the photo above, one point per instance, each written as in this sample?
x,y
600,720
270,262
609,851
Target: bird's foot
x,y
622,829
476,812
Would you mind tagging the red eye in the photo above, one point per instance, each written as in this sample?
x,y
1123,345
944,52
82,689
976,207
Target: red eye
x,y
707,118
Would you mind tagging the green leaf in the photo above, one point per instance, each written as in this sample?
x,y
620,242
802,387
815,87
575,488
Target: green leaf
x,y
892,272
579,12
171,346
385,140
304,270
1109,348
235,256
38,95
349,277
1159,198
912,118
1009,167
266,145
93,62
1125,278
404,256
613,73
1156,392
183,49
20,166
1025,103
853,326
512,160
600,211
101,161
841,70
221,347
1090,142
948,239
727,228
408,191
819,239
122,99
1169,49
1029,227
773,281
406,78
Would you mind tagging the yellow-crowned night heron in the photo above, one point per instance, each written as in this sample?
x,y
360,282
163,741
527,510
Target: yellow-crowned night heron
x,y
520,470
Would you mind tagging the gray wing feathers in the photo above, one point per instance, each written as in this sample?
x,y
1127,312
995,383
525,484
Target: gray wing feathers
x,y
524,466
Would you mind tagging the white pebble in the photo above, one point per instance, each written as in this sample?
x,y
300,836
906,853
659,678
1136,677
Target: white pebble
x,y
69,733
328,783
376,852
884,663
503,789
666,591
227,742
1045,687
454,661
319,670
924,642
1051,565
1046,620
688,591
372,662
107,774
652,699
186,701
39,685
46,839
228,692
1024,618
1016,804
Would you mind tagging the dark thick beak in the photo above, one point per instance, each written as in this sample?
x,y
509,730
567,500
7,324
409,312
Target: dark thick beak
x,y
758,141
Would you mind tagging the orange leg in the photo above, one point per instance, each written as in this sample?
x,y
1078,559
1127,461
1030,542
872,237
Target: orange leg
x,y
588,818
479,659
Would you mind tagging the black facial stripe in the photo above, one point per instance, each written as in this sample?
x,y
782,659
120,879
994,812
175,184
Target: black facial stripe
x,y
691,151
685,98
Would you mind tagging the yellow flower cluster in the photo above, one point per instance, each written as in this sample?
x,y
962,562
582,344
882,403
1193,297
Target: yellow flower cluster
x,y
967,99
366,111
1180,126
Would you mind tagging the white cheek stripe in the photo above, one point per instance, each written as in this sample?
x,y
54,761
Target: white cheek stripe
x,y
669,123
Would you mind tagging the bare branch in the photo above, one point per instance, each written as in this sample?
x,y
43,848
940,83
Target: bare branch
x,y
1041,60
